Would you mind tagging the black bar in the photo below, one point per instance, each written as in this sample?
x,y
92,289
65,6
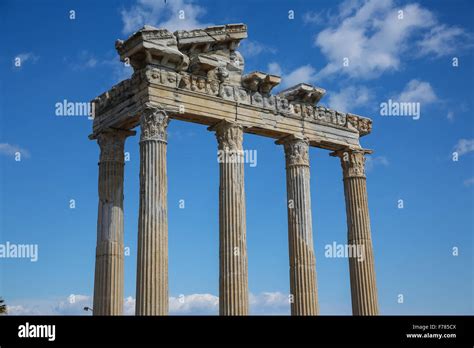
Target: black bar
x,y
136,331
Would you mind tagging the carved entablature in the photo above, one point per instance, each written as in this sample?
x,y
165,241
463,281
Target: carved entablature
x,y
206,61
249,93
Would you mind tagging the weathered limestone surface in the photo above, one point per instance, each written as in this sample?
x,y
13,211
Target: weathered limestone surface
x,y
108,283
152,263
233,265
362,272
303,285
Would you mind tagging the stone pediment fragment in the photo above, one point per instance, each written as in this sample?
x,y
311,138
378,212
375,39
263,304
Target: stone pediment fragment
x,y
260,82
153,46
303,93
212,51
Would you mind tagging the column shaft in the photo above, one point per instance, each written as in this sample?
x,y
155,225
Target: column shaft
x,y
303,284
233,265
152,262
108,279
362,269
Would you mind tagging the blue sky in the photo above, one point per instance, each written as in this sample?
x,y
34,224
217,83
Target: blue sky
x,y
407,59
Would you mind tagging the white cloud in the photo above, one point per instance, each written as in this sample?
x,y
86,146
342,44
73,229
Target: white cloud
x,y
469,182
24,57
193,304
304,73
163,14
70,305
373,38
373,161
250,48
417,91
464,146
129,306
10,150
269,303
87,60
331,17
313,17
275,69
73,305
350,97
120,71
450,116
203,304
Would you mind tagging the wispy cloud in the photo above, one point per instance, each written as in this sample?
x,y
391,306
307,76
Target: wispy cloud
x,y
312,17
172,15
450,116
22,58
86,60
275,69
304,73
11,150
375,161
250,48
464,146
442,40
469,182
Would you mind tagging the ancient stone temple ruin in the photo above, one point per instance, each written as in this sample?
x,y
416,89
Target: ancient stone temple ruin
x,y
198,76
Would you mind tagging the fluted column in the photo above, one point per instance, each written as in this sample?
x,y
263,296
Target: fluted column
x,y
108,278
303,284
233,268
152,263
361,262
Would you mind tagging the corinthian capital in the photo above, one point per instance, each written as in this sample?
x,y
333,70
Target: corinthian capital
x,y
296,150
352,162
229,135
112,143
154,122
